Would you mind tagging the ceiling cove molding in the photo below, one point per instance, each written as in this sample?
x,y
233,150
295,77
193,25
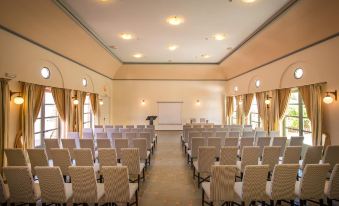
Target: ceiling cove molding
x,y
183,80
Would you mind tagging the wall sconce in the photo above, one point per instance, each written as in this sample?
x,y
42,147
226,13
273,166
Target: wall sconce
x,y
198,102
268,100
18,99
75,100
101,102
240,100
328,99
143,102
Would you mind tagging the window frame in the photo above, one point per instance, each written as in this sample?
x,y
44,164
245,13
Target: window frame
x,y
91,121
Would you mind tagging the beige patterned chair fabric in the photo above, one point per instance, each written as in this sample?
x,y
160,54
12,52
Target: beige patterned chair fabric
x,y
222,135
117,135
248,134
88,143
107,157
274,133
53,188
141,126
37,157
16,157
231,141
117,187
118,126
312,155
263,142
4,191
296,141
148,137
206,158
73,135
22,189
281,142
101,135
253,186
61,158
282,185
108,126
50,144
221,187
130,126
131,136
130,157
215,142
84,185
312,183
271,157
234,133
119,144
292,155
104,143
331,155
190,136
69,144
84,157
196,143
141,144
228,156
332,186
245,142
249,156
87,135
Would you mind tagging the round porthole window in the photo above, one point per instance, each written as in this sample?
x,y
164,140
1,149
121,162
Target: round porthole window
x,y
298,73
45,73
257,83
84,82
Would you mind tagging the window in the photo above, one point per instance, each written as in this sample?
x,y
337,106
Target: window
x,y
45,73
88,115
296,122
254,118
47,123
235,111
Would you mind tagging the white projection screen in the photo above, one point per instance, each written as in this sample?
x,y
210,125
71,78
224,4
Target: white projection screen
x,y
169,113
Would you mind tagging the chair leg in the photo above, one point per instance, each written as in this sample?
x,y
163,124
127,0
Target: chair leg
x,y
321,202
193,173
136,198
302,202
278,202
292,202
143,175
203,198
329,202
198,179
138,181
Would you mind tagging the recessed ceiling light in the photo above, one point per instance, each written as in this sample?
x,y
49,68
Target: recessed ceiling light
x,y
175,20
172,47
45,73
219,36
138,55
248,1
205,56
126,36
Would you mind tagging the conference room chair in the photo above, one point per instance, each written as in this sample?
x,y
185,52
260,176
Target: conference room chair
x,y
228,156
118,126
119,144
124,130
280,142
253,186
245,142
235,128
110,132
332,186
262,142
248,134
104,143
130,126
274,134
249,156
145,155
141,126
130,157
49,144
108,126
16,157
207,134
116,135
87,135
215,142
106,157
98,130
150,127
85,188
87,130
296,141
248,128
196,126
101,135
312,156
98,126
194,133
73,135
62,159
312,183
88,143
231,142
331,155
233,134
282,184
69,144
202,166
52,186
260,133
148,137
117,188
37,157
22,188
221,134
217,126
221,187
153,134
193,152
131,136
84,157
270,157
292,155
4,192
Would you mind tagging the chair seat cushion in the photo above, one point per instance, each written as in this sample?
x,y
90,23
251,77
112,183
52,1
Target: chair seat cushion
x,y
238,190
297,189
69,191
100,192
142,166
37,190
195,165
133,187
206,188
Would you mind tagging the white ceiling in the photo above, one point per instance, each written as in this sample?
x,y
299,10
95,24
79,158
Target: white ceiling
x,y
147,20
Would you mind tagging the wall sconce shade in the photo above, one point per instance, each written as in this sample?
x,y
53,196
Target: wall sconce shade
x,y
328,99
18,99
101,102
198,102
268,100
143,102
75,100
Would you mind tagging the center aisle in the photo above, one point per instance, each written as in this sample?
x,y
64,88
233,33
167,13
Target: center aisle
x,y
169,180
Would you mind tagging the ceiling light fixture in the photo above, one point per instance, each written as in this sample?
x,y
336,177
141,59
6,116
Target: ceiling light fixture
x,y
18,99
175,20
219,36
138,55
172,47
328,99
126,36
248,1
101,102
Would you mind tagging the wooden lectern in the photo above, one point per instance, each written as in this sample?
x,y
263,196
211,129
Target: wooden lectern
x,y
151,119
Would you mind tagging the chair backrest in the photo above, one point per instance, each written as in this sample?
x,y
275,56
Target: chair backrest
x,y
131,136
228,155
98,126
118,126
20,184
83,157
108,126
130,126
215,142
73,135
110,132
331,155
61,158
217,126
16,157
148,137
150,126
87,130
130,157
87,135
333,184
281,142
248,134
49,144
193,120
191,134
292,155
263,142
312,155
104,143
296,141
101,135
206,158
141,144
245,142
37,157
259,133
234,133
231,141
254,183
207,134
222,183
107,157
88,143
4,193
141,126
84,184
116,135
271,156
51,184
119,144
313,180
283,180
249,156
69,144
116,184
196,143
274,133
222,135
98,130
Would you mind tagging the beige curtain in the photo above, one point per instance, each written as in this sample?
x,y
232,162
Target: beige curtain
x,y
68,111
311,95
260,97
4,118
229,109
247,102
78,111
95,106
33,96
239,109
283,96
60,103
273,112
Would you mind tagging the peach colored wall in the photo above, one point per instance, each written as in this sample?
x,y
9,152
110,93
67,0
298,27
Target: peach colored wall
x,y
320,64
